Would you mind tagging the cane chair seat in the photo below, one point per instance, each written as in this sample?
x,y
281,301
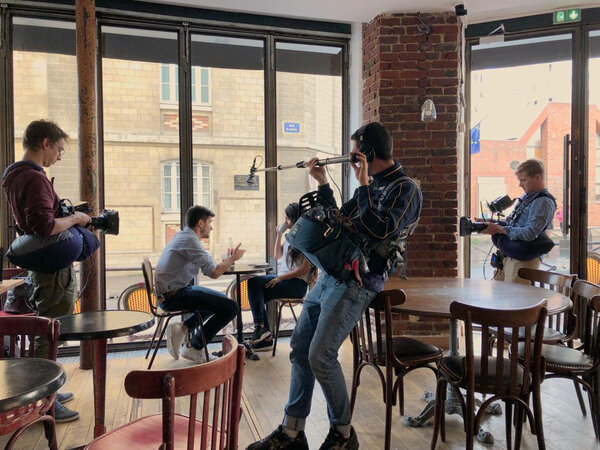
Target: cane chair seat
x,y
407,349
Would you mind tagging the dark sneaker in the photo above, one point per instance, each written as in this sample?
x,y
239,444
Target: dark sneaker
x,y
260,333
278,440
63,414
64,397
264,345
335,440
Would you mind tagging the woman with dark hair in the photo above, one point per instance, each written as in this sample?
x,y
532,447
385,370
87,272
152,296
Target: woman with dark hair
x,y
290,282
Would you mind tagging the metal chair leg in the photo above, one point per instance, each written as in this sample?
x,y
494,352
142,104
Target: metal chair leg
x,y
162,333
279,311
158,327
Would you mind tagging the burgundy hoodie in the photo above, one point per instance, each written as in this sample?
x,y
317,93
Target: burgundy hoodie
x,y
31,197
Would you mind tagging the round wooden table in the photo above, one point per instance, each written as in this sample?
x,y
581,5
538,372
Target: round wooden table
x,y
98,326
431,297
26,380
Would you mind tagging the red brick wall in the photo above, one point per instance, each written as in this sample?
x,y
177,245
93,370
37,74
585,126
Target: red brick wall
x,y
401,70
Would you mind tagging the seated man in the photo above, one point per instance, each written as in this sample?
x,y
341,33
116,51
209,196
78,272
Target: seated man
x,y
177,268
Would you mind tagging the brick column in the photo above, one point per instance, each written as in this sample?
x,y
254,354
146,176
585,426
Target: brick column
x,y
402,69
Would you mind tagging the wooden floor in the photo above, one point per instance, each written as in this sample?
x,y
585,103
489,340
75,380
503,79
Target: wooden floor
x,y
265,393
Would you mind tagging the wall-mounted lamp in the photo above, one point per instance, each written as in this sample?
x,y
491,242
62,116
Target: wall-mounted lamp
x,y
428,112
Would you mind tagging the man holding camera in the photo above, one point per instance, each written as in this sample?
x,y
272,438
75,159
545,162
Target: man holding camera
x,y
36,210
176,271
380,210
529,220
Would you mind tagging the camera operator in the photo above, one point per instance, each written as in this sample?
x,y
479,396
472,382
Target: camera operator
x,y
530,218
36,210
380,210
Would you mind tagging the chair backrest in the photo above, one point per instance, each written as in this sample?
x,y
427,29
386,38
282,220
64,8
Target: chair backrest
x,y
581,296
220,382
26,329
149,283
493,366
135,298
593,267
591,339
371,345
553,281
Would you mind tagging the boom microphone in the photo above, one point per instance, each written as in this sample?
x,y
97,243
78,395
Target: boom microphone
x,y
299,165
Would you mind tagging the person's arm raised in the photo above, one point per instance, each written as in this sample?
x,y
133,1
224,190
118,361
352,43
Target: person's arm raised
x,y
227,263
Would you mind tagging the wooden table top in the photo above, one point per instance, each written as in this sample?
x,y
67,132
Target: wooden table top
x,y
431,297
26,380
8,285
91,325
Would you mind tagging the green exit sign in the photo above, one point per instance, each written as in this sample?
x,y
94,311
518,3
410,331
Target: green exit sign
x,y
567,15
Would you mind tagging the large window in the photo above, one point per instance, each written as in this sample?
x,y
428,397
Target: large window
x,y
169,85
171,182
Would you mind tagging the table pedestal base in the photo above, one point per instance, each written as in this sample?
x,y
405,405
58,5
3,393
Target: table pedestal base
x,y
452,407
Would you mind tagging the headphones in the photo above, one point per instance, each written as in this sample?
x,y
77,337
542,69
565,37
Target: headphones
x,y
363,146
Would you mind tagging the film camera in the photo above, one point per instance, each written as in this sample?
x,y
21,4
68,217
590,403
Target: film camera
x,y
107,221
496,206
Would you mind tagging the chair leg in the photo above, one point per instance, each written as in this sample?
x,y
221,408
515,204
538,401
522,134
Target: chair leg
x,y
162,333
400,383
519,419
580,398
279,311
50,432
437,421
156,330
508,418
537,414
355,379
202,336
293,312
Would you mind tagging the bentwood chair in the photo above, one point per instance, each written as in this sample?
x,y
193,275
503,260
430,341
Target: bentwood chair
x,y
281,302
215,392
593,267
582,365
21,331
399,355
496,377
163,317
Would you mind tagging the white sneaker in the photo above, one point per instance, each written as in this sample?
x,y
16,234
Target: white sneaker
x,y
175,336
197,356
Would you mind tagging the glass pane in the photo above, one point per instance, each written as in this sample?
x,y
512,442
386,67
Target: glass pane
x,y
593,257
520,109
227,137
45,87
141,139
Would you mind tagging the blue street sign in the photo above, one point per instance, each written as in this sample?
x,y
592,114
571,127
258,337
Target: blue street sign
x,y
291,127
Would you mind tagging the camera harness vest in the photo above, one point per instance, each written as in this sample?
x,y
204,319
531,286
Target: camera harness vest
x,y
512,218
393,249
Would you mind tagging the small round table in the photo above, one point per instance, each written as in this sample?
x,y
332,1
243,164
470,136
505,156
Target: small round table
x,y
238,270
98,326
431,297
26,380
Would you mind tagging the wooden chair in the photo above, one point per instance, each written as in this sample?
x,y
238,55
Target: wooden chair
x,y
399,355
581,365
163,317
281,302
498,377
220,382
20,331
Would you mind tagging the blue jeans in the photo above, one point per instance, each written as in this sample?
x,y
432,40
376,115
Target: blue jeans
x,y
219,309
258,294
330,311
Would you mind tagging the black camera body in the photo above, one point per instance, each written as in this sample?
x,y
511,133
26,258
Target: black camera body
x,y
467,226
107,221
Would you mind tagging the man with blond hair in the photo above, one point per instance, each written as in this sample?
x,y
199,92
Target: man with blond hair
x,y
527,223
